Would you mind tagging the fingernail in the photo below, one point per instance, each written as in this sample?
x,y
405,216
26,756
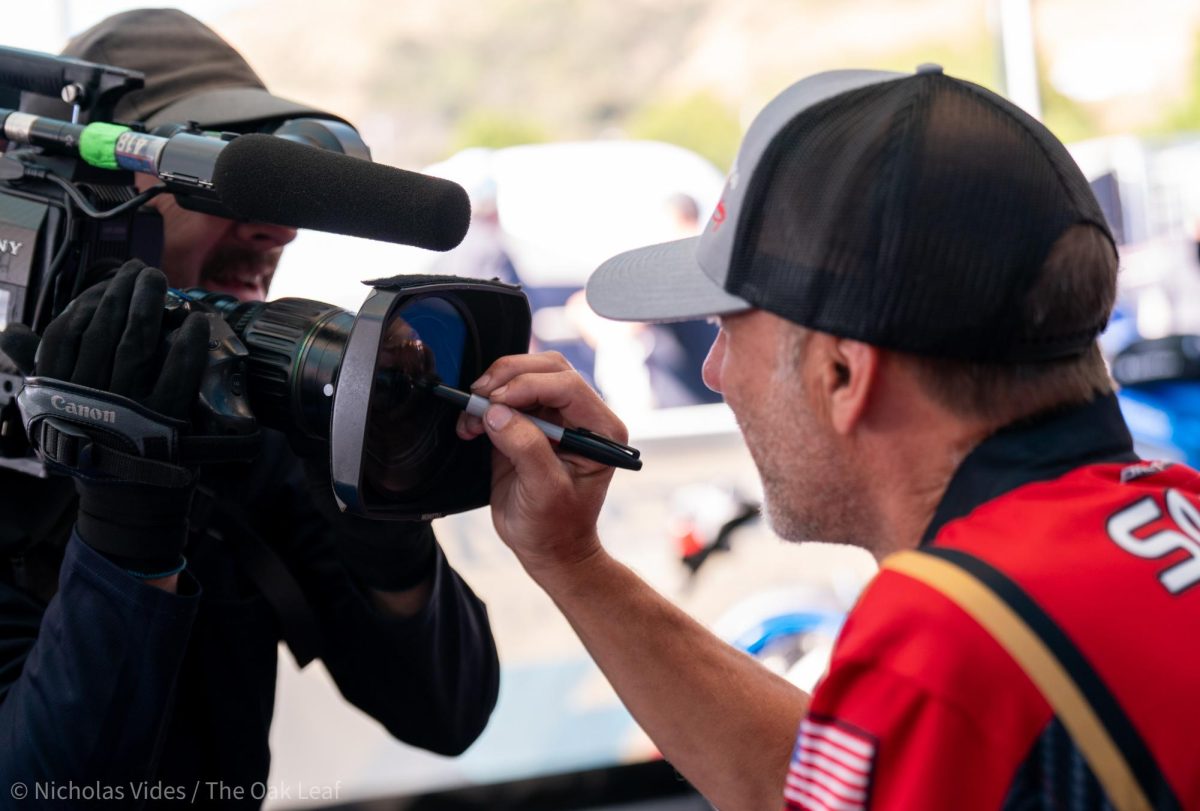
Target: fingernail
x,y
481,382
497,393
498,416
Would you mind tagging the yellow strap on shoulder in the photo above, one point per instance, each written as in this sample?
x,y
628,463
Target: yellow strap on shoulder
x,y
1039,663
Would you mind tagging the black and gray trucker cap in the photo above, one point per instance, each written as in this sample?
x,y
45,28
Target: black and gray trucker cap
x,y
191,74
910,211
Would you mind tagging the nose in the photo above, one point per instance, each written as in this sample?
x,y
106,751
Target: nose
x,y
711,371
263,236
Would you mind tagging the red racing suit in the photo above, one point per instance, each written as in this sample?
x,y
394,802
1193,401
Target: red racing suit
x,y
922,709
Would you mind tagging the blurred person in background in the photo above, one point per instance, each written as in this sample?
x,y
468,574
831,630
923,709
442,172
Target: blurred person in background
x,y
141,621
481,254
643,366
909,274
679,347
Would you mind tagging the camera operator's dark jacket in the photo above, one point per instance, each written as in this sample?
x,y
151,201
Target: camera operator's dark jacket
x,y
115,682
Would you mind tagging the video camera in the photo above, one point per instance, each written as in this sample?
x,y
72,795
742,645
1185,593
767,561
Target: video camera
x,y
70,213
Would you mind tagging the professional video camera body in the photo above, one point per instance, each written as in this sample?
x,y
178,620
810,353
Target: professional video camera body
x,y
70,214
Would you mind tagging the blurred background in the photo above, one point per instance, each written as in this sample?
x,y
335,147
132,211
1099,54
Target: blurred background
x,y
584,127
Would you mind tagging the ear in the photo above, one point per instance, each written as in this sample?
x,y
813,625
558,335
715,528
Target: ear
x,y
847,377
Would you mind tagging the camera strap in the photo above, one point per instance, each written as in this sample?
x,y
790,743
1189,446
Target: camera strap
x,y
89,433
298,621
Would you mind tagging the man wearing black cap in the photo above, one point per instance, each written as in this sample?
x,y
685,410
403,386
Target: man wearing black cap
x,y
152,669
909,274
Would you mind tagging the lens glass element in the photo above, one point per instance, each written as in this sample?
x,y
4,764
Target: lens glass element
x,y
410,432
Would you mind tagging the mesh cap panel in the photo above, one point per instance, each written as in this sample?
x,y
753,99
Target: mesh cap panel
x,y
915,215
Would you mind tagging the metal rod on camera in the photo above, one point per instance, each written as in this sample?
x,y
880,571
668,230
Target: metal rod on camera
x,y
36,130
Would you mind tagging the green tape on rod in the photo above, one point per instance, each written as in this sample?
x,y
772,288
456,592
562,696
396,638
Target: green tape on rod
x,y
98,144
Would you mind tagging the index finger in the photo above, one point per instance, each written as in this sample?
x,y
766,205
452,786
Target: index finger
x,y
569,395
506,368
98,345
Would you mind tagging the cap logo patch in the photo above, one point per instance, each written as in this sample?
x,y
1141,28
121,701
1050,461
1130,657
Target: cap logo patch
x,y
718,216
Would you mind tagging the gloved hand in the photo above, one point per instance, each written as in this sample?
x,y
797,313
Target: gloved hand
x,y
383,555
113,339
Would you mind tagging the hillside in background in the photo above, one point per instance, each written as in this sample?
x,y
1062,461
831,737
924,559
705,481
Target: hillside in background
x,y
423,79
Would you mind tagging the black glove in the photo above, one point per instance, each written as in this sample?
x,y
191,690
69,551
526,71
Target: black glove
x,y
113,340
384,555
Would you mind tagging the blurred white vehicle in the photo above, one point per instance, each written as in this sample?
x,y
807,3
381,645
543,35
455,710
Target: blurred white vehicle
x,y
563,209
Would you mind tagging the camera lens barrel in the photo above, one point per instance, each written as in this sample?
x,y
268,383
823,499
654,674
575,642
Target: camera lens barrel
x,y
296,348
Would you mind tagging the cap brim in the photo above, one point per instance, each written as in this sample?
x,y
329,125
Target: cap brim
x,y
658,283
233,106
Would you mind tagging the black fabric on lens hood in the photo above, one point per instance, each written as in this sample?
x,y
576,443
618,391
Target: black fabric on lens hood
x,y
406,280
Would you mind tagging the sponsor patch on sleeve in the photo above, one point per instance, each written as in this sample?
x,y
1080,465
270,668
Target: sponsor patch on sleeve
x,y
831,767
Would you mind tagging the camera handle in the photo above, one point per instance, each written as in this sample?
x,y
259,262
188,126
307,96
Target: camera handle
x,y
224,406
95,89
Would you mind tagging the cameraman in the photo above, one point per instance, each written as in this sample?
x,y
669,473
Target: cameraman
x,y
156,664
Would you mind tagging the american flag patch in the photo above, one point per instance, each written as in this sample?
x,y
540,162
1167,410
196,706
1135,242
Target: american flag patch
x,y
830,769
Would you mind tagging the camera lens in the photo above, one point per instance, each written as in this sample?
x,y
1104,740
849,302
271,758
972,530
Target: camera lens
x,y
361,383
295,348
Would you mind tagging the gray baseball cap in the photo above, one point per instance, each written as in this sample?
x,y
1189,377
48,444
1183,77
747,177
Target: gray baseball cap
x,y
660,283
909,211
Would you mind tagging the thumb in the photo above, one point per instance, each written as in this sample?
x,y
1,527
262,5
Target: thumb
x,y
525,446
19,344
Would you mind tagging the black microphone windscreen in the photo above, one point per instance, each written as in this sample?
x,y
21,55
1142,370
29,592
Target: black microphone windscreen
x,y
268,179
